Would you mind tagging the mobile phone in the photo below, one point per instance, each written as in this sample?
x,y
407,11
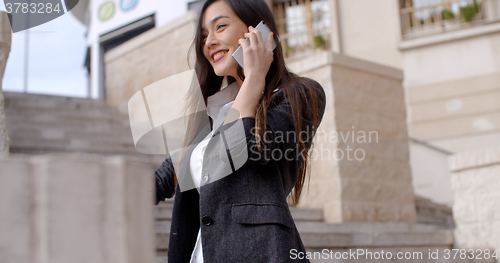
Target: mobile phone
x,y
265,30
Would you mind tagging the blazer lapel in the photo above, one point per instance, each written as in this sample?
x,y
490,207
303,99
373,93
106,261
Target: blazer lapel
x,y
184,172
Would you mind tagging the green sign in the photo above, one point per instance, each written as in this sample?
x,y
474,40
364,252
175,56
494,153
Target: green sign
x,y
106,10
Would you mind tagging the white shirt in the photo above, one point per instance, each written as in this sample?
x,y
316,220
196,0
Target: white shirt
x,y
222,99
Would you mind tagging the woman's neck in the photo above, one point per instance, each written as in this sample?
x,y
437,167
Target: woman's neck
x,y
239,82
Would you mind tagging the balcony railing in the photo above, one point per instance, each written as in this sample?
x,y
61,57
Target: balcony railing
x,y
420,18
303,25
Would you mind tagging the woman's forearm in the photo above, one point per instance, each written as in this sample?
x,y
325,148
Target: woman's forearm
x,y
249,95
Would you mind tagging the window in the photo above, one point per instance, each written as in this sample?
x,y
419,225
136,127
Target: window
x,y
303,25
426,17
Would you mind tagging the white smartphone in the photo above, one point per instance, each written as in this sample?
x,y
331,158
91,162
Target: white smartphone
x,y
265,30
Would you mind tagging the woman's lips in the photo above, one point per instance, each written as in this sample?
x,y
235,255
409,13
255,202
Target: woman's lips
x,y
219,56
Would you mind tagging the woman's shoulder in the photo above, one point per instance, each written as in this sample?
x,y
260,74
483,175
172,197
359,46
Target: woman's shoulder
x,y
313,86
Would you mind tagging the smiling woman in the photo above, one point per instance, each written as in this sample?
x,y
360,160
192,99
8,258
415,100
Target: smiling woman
x,y
244,216
221,31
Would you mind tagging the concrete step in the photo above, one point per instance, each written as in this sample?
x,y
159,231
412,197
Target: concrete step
x,y
364,227
442,238
70,145
323,235
317,234
389,234
163,211
163,215
431,213
163,226
305,214
50,135
161,256
68,117
53,129
54,134
39,101
162,233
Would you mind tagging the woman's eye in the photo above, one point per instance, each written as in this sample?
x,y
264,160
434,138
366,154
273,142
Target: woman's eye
x,y
220,26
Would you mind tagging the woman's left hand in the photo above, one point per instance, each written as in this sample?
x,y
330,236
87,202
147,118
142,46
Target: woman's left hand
x,y
258,55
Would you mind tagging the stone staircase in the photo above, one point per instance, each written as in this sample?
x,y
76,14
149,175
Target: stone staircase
x,y
431,233
45,124
163,214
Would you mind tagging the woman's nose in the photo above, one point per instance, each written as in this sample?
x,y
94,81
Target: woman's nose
x,y
212,40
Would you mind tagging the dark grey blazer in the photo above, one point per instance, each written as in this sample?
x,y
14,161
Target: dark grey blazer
x,y
244,216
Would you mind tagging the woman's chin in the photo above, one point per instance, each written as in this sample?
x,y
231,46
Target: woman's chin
x,y
221,73
225,70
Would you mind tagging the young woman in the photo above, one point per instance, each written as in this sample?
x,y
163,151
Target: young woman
x,y
243,215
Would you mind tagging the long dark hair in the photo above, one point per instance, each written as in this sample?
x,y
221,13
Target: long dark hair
x,y
298,91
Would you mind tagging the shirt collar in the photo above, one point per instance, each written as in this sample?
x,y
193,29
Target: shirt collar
x,y
223,96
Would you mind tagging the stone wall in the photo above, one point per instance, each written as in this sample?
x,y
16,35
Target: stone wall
x,y
476,184
452,84
76,208
361,169
150,57
430,173
370,30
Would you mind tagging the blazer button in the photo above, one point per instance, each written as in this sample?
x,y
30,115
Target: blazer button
x,y
206,220
204,179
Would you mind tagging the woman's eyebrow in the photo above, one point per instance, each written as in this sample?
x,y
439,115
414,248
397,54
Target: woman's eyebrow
x,y
215,19
219,17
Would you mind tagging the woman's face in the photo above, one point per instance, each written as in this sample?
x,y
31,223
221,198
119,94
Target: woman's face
x,y
221,30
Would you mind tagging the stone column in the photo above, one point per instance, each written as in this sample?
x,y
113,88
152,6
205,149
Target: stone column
x,y
491,9
5,42
335,28
360,161
76,208
475,182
